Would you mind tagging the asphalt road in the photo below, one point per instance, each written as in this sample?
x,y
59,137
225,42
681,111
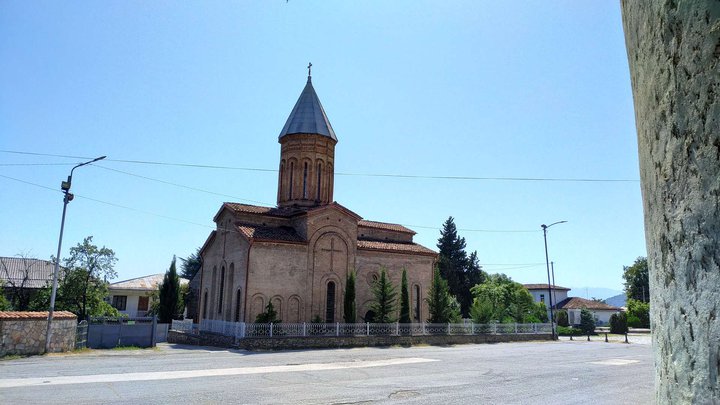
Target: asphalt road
x,y
511,373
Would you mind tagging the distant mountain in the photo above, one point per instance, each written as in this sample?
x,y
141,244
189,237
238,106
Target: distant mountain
x,y
617,301
590,292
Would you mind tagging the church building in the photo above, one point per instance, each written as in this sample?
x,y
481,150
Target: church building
x,y
298,254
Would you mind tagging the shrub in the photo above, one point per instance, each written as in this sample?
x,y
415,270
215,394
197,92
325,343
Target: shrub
x,y
587,322
562,318
568,331
618,323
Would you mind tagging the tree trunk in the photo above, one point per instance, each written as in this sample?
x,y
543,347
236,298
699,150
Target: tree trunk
x,y
674,54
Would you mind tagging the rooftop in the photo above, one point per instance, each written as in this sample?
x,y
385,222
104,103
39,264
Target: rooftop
x,y
579,303
146,283
28,273
544,287
308,116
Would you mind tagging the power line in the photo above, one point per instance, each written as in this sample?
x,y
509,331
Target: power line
x,y
391,175
187,221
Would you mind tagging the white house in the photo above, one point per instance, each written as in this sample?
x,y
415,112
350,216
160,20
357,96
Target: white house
x,y
600,310
133,297
541,293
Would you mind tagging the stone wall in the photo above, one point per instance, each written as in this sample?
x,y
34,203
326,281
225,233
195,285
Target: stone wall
x,y
24,332
322,342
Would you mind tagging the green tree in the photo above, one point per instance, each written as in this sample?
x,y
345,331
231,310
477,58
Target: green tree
x,y
269,316
83,287
385,297
618,323
461,271
587,322
562,318
638,314
191,265
170,299
637,281
404,299
501,299
349,308
4,303
439,299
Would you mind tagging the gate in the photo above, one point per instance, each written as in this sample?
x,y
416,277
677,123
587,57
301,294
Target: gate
x,y
81,335
106,332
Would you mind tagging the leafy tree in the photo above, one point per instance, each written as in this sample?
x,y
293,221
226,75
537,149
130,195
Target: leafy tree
x,y
638,314
461,271
637,281
587,322
500,299
618,323
404,299
269,316
170,299
191,265
439,299
83,287
349,309
562,318
385,297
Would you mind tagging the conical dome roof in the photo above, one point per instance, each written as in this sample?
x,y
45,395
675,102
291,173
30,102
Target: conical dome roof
x,y
308,116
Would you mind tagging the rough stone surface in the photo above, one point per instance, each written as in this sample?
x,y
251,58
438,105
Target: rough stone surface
x,y
24,332
674,55
320,342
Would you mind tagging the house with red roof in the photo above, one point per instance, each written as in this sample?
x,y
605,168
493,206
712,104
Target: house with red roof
x,y
572,305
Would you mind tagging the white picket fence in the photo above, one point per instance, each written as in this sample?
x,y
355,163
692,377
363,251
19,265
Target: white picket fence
x,y
242,330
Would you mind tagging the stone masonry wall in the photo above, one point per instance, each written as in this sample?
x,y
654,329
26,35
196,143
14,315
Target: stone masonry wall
x,y
24,332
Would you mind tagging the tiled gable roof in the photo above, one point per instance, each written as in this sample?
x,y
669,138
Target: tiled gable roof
x,y
579,303
395,247
387,226
270,233
257,209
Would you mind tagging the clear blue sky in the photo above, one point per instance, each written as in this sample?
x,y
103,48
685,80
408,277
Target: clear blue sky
x,y
466,88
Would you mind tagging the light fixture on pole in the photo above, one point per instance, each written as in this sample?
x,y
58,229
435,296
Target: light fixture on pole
x,y
65,186
547,264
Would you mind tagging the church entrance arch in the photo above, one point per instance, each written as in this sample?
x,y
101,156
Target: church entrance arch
x,y
330,258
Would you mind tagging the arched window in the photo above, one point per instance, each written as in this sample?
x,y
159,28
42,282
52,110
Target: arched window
x,y
319,184
205,304
305,178
238,303
222,289
282,175
417,303
330,303
292,169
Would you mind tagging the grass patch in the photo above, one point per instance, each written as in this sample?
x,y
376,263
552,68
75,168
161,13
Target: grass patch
x,y
120,348
12,357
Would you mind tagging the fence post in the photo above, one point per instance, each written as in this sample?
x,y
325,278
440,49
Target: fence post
x,y
423,331
368,328
626,341
472,328
606,340
494,328
397,328
304,329
516,328
271,329
153,334
337,328
448,328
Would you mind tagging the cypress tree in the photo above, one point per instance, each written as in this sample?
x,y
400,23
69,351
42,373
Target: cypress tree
x,y
439,299
169,307
385,297
404,299
349,301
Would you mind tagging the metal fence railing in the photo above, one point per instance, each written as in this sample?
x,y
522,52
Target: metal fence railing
x,y
241,330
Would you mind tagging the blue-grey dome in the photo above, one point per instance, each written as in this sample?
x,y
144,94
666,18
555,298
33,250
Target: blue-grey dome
x,y
308,116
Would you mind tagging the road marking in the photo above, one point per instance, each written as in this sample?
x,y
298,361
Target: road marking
x,y
615,362
171,375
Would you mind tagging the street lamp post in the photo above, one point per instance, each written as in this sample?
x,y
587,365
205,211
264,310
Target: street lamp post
x,y
547,264
65,186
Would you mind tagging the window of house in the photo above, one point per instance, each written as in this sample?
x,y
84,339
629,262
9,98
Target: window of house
x,y
319,178
238,301
119,302
542,298
222,289
205,304
417,303
143,303
292,169
305,178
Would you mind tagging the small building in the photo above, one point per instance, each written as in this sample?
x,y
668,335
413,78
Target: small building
x,y
134,297
600,310
22,277
541,293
